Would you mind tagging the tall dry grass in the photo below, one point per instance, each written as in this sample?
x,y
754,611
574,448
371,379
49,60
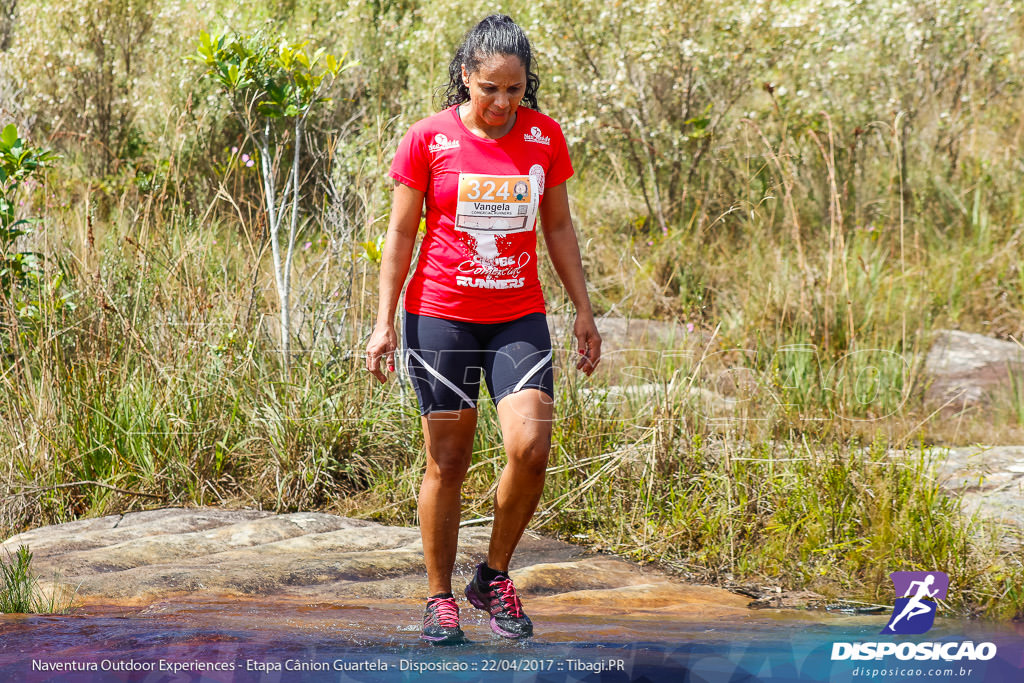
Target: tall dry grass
x,y
805,228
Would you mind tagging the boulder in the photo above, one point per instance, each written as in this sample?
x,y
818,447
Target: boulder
x,y
148,558
965,369
989,481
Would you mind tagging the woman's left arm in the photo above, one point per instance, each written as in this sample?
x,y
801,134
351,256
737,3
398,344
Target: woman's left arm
x,y
560,237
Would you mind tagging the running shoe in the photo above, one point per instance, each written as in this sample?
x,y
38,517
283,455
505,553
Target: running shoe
x,y
499,599
441,622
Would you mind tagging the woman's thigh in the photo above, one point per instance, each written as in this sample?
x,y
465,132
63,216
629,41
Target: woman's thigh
x,y
444,359
518,356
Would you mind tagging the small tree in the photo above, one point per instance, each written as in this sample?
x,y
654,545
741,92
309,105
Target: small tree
x,y
272,90
18,163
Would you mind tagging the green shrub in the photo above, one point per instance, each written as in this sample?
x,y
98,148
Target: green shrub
x,y
19,587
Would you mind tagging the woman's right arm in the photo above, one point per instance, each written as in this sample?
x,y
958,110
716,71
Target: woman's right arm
x,y
394,267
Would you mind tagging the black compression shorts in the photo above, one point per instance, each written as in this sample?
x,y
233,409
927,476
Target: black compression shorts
x,y
445,359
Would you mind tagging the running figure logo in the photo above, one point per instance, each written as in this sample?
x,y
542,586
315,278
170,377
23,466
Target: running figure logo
x,y
914,613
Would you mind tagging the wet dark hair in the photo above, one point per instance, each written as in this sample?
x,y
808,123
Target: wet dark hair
x,y
495,35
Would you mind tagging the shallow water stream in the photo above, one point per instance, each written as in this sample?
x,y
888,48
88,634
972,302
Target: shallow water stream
x,y
226,639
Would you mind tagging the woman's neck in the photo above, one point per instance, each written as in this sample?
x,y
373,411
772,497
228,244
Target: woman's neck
x,y
479,128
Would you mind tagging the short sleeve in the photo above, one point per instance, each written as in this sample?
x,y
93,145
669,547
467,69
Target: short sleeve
x,y
411,165
561,167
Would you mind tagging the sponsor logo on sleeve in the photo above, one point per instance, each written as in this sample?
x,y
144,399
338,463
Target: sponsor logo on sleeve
x,y
536,135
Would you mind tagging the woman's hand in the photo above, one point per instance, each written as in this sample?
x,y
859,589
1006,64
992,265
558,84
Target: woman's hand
x,y
564,250
585,331
382,344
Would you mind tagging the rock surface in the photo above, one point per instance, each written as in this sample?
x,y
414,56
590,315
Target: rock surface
x,y
618,334
643,346
990,483
965,368
144,558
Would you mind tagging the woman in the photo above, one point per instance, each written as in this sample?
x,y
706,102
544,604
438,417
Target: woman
x,y
486,168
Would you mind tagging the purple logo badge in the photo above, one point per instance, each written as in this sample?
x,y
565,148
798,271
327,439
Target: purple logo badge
x,y
914,610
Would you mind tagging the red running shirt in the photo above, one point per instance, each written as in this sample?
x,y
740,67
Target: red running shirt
x,y
478,261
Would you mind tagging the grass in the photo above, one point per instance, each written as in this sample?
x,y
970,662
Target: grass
x,y
16,595
20,591
813,255
157,391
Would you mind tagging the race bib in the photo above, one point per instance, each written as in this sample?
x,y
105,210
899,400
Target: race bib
x,y
491,207
496,204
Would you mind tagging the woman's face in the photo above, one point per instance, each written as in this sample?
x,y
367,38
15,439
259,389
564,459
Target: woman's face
x,y
495,89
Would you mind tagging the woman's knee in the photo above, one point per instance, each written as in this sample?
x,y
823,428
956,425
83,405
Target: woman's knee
x,y
532,455
449,465
449,442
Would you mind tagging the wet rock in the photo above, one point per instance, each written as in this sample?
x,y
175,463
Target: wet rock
x,y
549,578
789,600
965,369
143,558
664,597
